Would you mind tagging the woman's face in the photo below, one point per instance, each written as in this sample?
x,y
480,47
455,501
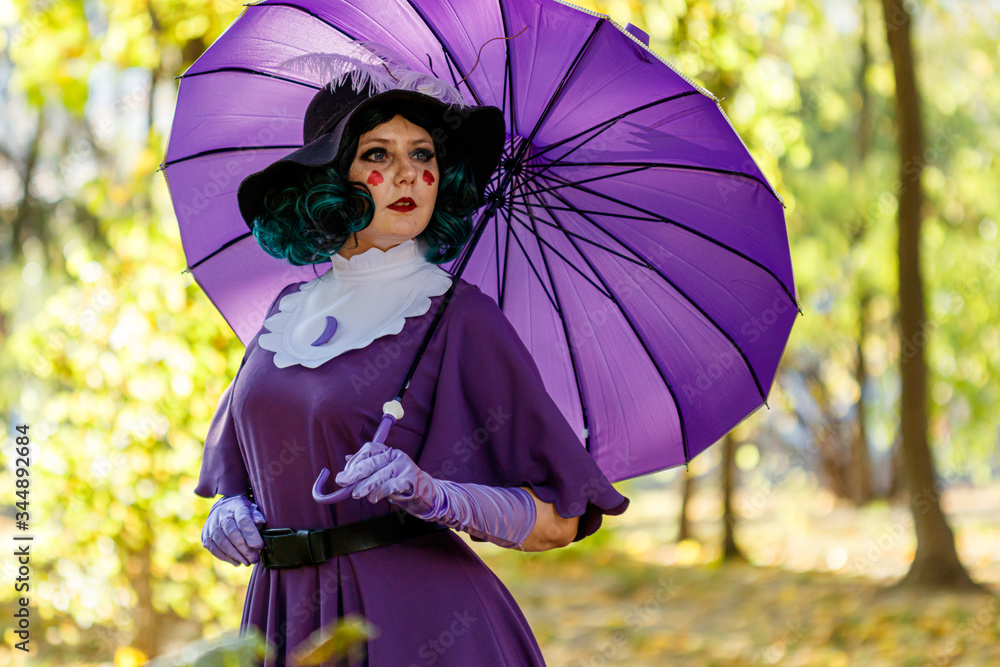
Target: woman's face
x,y
397,162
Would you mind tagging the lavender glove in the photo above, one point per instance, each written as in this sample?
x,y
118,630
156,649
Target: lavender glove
x,y
231,533
503,516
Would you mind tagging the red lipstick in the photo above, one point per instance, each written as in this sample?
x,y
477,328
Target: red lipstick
x,y
403,204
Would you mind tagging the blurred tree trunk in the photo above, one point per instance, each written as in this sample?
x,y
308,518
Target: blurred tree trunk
x,y
23,222
729,549
936,563
865,114
897,485
860,477
687,484
861,461
138,565
834,454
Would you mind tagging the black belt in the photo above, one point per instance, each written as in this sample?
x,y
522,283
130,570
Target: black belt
x,y
284,547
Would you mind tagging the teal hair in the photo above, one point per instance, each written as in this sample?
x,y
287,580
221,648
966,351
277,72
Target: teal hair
x,y
307,218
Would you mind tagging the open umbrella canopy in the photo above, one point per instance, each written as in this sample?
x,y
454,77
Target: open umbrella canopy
x,y
630,237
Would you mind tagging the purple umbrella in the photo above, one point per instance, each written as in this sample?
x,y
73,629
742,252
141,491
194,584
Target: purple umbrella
x,y
628,235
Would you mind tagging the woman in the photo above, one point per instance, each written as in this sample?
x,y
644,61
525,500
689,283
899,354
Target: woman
x,y
384,187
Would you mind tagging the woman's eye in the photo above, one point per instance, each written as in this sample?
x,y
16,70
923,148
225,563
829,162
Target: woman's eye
x,y
378,154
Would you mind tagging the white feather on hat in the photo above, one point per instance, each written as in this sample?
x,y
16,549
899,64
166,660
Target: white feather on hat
x,y
370,64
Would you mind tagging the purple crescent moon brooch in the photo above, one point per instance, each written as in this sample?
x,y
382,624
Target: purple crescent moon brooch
x,y
331,328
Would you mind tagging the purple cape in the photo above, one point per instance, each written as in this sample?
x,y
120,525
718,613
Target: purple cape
x,y
476,410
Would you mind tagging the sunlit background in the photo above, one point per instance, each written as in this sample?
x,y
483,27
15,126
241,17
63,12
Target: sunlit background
x,y
115,359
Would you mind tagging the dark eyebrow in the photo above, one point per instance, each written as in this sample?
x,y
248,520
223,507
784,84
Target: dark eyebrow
x,y
385,140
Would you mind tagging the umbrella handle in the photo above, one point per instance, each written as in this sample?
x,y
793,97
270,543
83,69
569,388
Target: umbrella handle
x,y
391,412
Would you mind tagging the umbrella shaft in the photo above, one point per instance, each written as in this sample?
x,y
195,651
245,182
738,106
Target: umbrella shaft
x,y
478,232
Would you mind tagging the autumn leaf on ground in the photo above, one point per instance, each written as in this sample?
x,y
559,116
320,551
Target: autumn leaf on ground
x,y
227,650
343,639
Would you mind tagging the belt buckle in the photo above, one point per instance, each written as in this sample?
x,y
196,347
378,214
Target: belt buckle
x,y
286,548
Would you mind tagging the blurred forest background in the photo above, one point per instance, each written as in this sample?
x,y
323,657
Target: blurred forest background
x,y
875,462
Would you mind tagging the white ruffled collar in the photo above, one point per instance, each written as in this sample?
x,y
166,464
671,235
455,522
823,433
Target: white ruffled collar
x,y
356,301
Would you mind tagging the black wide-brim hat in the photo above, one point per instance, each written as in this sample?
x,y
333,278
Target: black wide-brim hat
x,y
477,133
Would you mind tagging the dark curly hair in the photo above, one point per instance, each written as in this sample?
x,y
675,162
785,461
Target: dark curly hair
x,y
310,216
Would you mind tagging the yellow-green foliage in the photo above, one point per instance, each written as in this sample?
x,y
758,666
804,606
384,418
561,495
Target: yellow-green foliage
x,y
116,359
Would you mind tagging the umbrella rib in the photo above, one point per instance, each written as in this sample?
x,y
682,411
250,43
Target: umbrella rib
x,y
660,218
506,259
447,52
353,37
562,319
583,238
601,177
562,85
218,250
505,157
605,213
645,347
653,165
532,265
534,231
684,294
611,121
496,236
496,240
508,74
249,70
451,71
304,11
204,289
229,149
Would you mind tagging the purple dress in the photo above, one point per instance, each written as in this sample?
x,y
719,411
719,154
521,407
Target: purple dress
x,y
476,410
